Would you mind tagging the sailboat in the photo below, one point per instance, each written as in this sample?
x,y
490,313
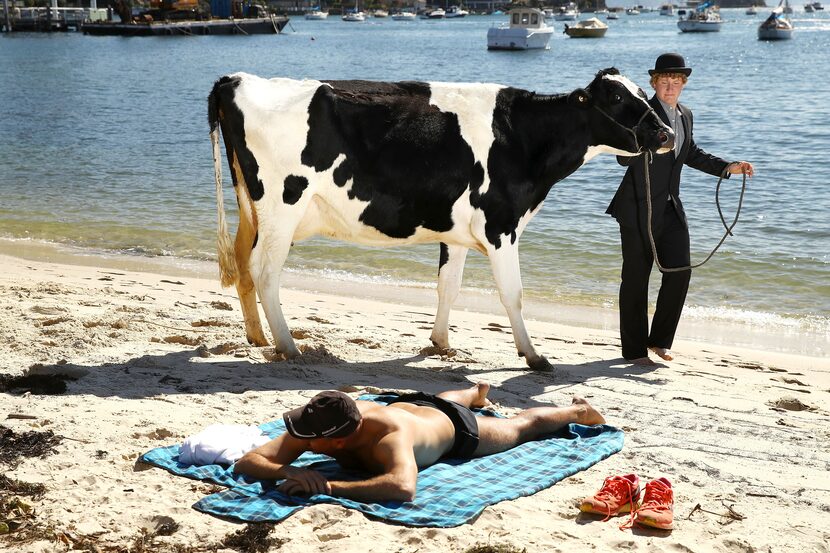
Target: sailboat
x,y
354,15
777,26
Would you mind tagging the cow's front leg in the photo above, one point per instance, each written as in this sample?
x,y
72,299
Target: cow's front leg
x,y
267,260
505,264
450,273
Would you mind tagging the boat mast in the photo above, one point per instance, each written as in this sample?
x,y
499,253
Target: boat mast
x,y
8,26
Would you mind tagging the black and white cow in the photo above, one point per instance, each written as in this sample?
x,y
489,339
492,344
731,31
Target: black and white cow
x,y
378,163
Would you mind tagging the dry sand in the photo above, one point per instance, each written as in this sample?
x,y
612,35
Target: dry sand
x,y
742,434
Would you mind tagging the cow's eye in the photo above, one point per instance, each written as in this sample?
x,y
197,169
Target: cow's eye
x,y
617,98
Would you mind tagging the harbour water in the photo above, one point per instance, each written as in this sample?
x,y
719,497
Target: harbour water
x,y
104,148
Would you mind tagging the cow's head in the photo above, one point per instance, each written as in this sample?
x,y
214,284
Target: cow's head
x,y
622,120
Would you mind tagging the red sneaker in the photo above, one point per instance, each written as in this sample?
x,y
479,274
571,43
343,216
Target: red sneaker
x,y
619,494
656,509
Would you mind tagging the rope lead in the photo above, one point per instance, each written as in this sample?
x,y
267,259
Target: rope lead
x,y
647,161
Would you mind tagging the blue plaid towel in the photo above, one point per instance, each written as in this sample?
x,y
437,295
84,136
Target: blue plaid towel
x,y
449,493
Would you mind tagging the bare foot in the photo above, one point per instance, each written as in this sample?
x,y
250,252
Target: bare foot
x,y
589,416
664,354
481,400
643,361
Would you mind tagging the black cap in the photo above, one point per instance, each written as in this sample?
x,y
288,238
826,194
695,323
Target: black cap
x,y
670,63
328,415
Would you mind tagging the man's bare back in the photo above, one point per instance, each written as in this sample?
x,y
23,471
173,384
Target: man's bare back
x,y
394,441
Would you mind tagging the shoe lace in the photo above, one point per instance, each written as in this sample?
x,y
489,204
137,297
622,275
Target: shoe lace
x,y
615,487
656,497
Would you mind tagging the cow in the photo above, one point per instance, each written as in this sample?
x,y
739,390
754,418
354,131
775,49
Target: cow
x,y
393,163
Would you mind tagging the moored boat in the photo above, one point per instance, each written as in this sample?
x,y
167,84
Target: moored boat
x,y
568,12
587,28
437,13
667,9
454,12
703,19
316,15
526,30
777,26
243,26
404,16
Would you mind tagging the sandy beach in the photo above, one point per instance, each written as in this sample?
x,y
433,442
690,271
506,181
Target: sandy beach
x,y
153,357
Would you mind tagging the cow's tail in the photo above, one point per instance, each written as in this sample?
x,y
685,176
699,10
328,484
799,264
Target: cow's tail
x,y
228,271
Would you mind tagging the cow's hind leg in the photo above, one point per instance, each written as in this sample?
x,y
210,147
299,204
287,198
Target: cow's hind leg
x,y
266,267
505,264
450,273
247,297
246,235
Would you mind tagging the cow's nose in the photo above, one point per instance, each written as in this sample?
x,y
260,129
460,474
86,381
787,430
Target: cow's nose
x,y
663,138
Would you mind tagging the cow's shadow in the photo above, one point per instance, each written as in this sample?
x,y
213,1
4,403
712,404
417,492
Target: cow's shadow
x,y
185,372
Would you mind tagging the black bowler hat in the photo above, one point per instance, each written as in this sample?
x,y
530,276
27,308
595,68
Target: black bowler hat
x,y
670,63
327,415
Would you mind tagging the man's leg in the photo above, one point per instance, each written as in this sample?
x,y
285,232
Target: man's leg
x,y
633,299
673,249
497,435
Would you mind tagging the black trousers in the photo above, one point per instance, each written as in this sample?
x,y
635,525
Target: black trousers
x,y
672,241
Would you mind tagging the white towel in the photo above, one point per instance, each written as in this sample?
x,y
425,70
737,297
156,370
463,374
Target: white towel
x,y
220,444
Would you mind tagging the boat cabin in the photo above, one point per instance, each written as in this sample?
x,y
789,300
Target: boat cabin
x,y
526,18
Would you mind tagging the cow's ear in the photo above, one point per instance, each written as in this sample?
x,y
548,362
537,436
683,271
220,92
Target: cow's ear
x,y
580,98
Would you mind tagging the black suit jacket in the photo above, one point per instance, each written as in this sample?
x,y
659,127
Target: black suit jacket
x,y
629,203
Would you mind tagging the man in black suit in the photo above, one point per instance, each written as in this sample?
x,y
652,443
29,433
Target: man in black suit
x,y
669,226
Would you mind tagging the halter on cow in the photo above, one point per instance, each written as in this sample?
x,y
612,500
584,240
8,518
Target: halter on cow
x,y
466,165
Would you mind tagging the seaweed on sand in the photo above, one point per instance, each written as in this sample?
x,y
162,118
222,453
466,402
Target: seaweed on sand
x,y
252,539
29,444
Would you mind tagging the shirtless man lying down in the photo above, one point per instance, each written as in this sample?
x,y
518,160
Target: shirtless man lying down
x,y
394,441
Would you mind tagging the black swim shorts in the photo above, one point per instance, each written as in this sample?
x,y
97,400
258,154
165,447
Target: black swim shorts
x,y
464,421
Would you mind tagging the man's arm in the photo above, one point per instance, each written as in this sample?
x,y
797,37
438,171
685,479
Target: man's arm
x,y
273,461
399,478
397,482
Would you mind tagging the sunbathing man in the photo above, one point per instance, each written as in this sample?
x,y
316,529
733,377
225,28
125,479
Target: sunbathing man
x,y
393,441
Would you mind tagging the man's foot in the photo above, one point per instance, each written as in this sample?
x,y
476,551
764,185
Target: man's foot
x,y
481,400
619,494
642,361
663,353
589,416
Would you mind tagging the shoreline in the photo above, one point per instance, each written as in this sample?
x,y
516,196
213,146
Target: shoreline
x,y
769,336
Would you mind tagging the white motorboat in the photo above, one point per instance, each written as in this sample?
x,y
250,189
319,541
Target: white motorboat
x,y
632,11
751,10
612,15
380,13
354,17
566,13
526,30
455,11
404,16
702,19
587,28
437,13
777,26
667,9
316,15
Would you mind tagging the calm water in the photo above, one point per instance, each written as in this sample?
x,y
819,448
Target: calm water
x,y
104,145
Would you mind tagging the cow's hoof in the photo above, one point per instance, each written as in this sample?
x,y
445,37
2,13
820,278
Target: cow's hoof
x,y
541,364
